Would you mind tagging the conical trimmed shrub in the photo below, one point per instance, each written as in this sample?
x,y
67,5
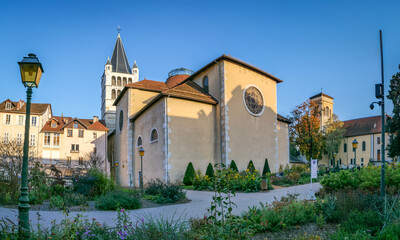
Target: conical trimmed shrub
x,y
250,166
210,171
233,166
266,168
190,174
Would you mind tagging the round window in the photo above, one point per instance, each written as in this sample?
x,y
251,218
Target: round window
x,y
121,120
253,100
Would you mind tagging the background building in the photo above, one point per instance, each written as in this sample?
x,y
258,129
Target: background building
x,y
116,75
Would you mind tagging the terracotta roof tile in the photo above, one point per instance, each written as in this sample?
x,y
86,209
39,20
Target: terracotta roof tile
x,y
190,91
36,108
175,80
149,85
64,122
363,126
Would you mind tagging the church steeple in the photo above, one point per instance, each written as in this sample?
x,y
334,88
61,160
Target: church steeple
x,y
119,61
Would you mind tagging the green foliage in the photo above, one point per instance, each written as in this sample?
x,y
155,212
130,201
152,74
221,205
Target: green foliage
x,y
190,174
393,123
160,192
244,181
266,168
96,183
233,166
334,132
74,199
116,199
391,232
56,202
57,190
210,171
367,179
280,215
250,166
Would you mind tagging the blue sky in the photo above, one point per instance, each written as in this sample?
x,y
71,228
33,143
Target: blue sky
x,y
310,45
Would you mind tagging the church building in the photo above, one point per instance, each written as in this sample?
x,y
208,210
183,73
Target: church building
x,y
225,111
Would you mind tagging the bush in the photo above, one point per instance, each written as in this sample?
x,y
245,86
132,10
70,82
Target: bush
x,y
118,199
74,199
391,232
233,166
210,171
163,193
96,183
250,166
56,202
190,174
57,190
266,169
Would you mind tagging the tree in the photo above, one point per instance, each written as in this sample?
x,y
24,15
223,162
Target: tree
x,y
393,123
11,155
190,174
334,133
233,166
305,129
266,168
210,171
250,166
94,160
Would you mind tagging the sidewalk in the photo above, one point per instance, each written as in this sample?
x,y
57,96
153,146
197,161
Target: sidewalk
x,y
201,200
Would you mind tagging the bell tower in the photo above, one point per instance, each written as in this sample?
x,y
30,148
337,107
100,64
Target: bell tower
x,y
117,73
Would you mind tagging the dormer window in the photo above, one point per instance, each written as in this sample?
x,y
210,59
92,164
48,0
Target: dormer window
x,y
8,106
75,125
53,124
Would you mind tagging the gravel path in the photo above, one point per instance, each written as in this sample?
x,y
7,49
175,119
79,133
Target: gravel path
x,y
196,208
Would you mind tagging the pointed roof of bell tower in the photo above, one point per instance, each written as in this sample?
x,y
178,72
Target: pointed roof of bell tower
x,y
119,61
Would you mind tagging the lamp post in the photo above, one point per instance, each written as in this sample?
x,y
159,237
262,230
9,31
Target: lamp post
x,y
380,94
355,145
31,71
141,153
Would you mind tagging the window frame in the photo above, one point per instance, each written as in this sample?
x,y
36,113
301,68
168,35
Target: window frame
x,y
32,140
80,133
363,146
47,136
8,106
137,141
262,97
70,133
345,147
151,135
206,87
21,119
56,140
34,121
8,119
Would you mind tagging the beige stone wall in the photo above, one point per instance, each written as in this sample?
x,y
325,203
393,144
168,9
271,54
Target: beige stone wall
x,y
283,143
191,136
371,148
153,159
249,137
131,102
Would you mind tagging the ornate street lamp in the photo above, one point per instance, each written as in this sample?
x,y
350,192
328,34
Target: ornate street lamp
x,y
355,145
141,153
31,71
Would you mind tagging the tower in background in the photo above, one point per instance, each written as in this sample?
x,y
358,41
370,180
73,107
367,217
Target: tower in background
x,y
117,73
325,103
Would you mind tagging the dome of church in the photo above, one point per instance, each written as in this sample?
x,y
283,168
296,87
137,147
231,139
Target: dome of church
x,y
177,76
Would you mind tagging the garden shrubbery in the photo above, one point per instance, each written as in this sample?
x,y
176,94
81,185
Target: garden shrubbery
x,y
160,192
245,181
367,179
190,174
96,183
118,199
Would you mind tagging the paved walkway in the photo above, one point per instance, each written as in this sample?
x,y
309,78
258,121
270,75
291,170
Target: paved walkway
x,y
195,209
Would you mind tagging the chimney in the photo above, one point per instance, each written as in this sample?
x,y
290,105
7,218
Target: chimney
x,y
20,104
95,119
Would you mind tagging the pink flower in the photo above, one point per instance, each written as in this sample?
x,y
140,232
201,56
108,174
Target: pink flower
x,y
122,210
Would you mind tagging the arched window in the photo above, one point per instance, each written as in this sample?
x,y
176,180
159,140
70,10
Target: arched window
x,y
124,81
113,82
129,80
327,111
345,147
118,92
153,135
139,141
121,120
118,81
363,145
113,94
205,84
